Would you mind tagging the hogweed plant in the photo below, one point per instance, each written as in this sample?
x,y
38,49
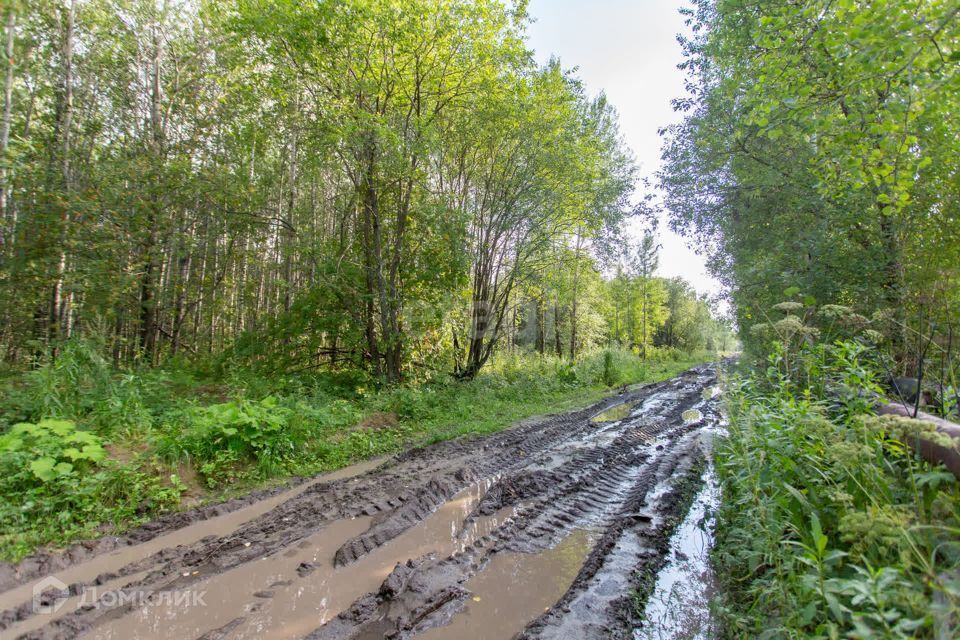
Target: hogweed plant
x,y
830,525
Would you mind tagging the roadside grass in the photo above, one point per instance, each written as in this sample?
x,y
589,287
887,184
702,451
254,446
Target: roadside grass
x,y
830,525
86,451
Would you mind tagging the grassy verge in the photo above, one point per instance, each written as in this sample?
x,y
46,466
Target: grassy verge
x,y
830,526
86,451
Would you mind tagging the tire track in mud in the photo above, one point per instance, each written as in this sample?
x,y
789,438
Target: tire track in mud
x,y
616,491
524,490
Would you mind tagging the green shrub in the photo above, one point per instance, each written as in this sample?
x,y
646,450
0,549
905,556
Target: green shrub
x,y
411,403
221,437
56,484
608,372
14,402
830,526
567,372
52,448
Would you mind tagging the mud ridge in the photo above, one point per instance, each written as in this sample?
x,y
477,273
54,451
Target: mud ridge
x,y
414,510
556,474
595,607
623,483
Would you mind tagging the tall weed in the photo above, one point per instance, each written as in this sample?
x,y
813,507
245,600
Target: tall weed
x,y
830,525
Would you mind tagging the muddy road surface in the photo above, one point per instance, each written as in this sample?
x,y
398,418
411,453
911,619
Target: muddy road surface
x,y
554,528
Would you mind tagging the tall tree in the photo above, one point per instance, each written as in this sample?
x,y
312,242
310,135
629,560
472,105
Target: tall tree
x,y
810,146
645,260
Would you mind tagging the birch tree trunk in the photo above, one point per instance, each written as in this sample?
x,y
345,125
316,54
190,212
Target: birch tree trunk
x,y
6,219
66,121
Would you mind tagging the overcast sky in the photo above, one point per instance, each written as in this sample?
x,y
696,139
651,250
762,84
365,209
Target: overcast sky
x,y
628,49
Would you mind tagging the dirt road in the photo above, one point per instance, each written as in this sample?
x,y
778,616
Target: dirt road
x,y
554,528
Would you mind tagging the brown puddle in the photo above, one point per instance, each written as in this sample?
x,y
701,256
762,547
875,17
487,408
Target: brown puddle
x,y
293,610
115,560
69,605
514,589
614,413
225,596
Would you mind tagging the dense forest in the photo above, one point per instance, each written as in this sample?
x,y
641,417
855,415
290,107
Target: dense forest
x,y
305,186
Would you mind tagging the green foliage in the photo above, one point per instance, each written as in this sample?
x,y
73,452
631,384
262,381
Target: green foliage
x,y
689,324
56,448
68,385
220,438
80,385
667,311
450,164
608,378
815,155
830,526
567,373
413,403
57,485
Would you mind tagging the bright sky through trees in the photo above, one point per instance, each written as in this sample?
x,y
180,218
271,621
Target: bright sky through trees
x,y
628,49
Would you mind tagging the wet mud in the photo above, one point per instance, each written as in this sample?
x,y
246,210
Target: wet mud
x,y
679,606
546,529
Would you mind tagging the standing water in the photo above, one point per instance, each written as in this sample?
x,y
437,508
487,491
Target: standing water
x,y
679,607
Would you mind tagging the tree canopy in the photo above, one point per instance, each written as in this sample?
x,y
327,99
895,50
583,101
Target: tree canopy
x,y
297,185
817,161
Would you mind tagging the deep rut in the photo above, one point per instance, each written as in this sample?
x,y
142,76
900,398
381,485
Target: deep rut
x,y
537,530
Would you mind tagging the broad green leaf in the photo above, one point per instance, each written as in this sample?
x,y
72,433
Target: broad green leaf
x,y
43,468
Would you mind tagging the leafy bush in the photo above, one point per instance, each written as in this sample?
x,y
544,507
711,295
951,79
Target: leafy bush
x,y
52,448
608,373
830,526
951,403
220,437
411,403
56,484
567,372
617,367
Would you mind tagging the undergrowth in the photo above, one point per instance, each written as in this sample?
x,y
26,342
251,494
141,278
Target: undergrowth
x,y
830,525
